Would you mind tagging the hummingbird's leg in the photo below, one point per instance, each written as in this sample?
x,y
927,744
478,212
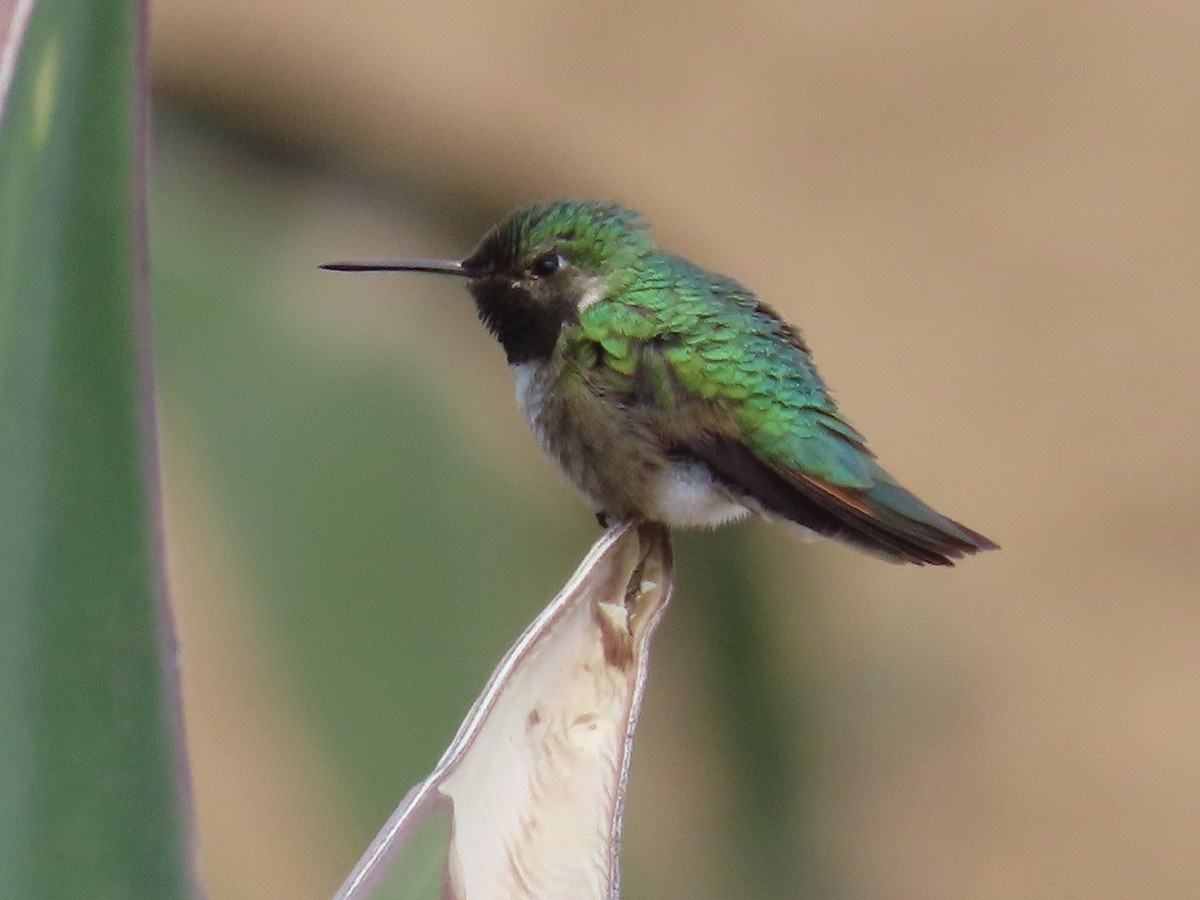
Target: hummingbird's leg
x,y
602,518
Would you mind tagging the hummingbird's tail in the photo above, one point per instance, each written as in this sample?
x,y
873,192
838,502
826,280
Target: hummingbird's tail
x,y
889,521
884,519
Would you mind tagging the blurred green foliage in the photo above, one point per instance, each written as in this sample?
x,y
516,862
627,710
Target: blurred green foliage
x,y
392,565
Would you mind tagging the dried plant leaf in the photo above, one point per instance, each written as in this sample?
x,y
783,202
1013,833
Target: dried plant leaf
x,y
527,800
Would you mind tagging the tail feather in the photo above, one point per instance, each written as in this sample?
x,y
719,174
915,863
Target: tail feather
x,y
883,519
890,521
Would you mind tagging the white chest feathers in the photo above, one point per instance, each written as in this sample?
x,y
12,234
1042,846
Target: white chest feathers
x,y
531,394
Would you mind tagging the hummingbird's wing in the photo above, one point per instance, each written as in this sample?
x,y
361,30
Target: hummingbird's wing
x,y
734,386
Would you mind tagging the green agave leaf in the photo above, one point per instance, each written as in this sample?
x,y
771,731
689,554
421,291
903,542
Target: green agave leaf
x,y
92,799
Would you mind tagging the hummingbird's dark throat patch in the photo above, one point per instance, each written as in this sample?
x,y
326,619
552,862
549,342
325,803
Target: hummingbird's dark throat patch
x,y
526,326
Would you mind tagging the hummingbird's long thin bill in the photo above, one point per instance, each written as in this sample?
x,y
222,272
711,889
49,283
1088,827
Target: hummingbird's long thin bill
x,y
436,266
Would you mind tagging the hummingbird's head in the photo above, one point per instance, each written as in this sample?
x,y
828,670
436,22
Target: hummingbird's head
x,y
539,268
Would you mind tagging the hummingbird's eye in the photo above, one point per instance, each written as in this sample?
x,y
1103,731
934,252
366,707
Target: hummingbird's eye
x,y
546,264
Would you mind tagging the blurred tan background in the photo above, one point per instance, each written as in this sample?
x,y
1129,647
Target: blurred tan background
x,y
984,216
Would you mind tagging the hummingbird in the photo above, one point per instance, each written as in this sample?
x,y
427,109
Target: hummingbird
x,y
668,393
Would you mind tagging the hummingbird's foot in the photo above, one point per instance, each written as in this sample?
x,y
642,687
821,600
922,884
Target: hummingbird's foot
x,y
602,518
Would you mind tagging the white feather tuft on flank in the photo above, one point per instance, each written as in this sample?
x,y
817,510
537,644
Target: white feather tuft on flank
x,y
686,496
807,535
